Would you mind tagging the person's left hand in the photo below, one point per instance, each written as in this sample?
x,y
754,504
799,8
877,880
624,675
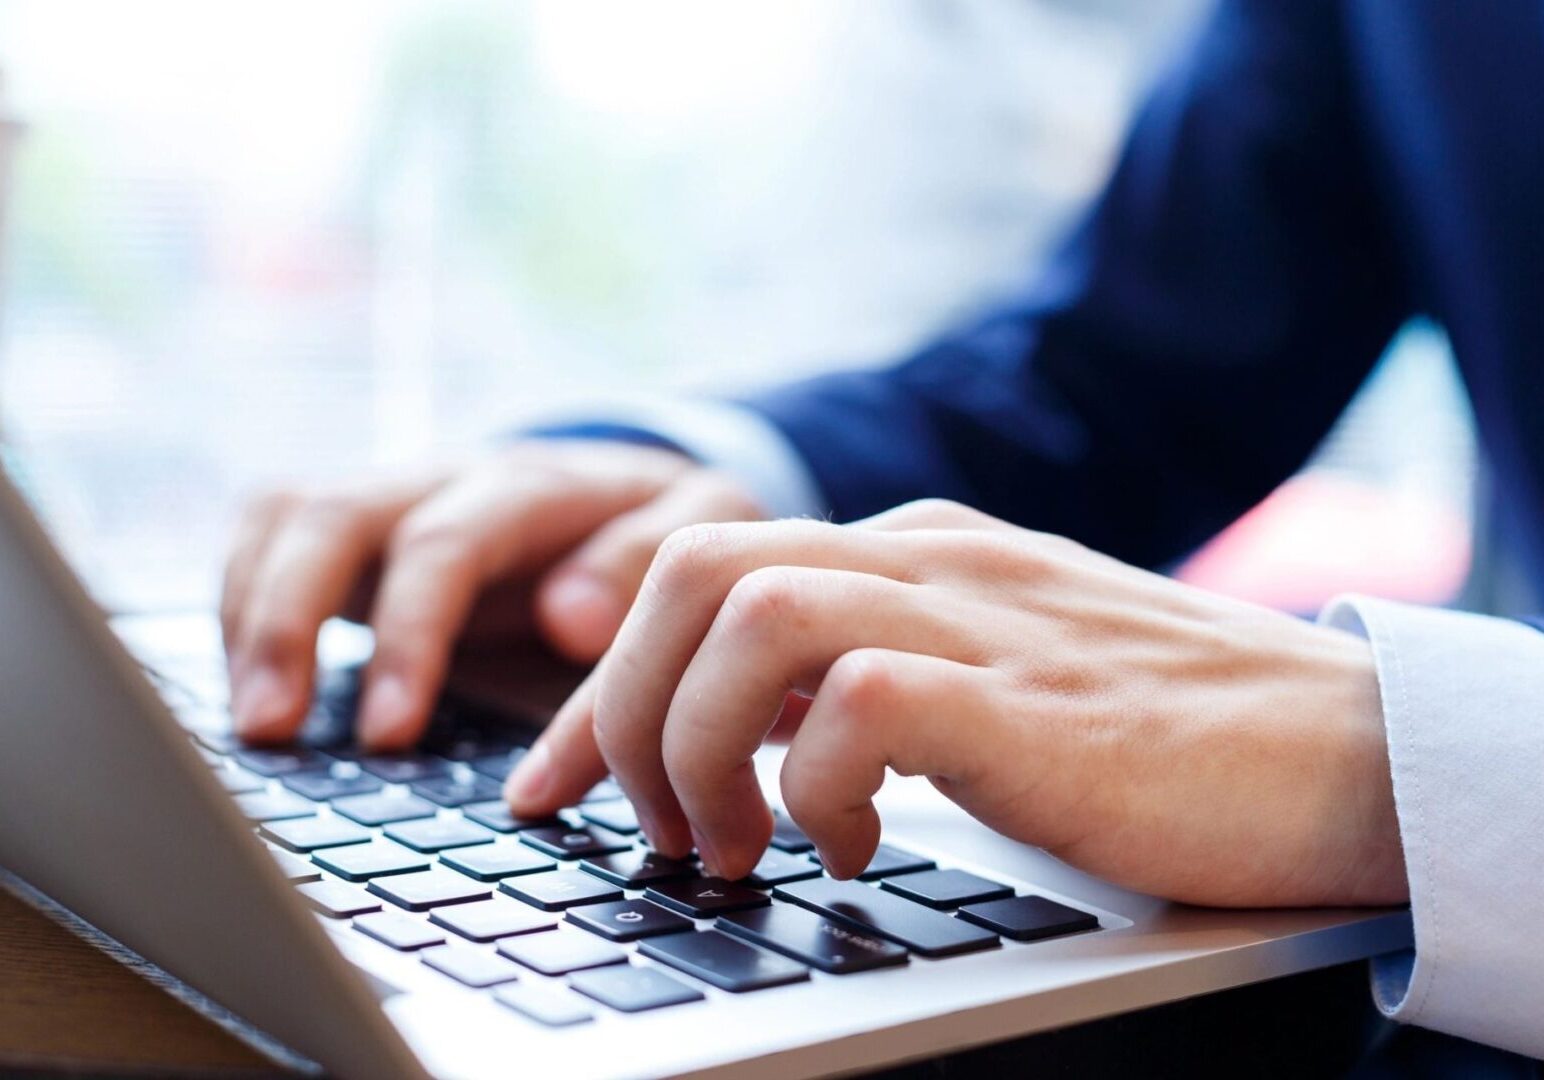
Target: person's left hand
x,y
1162,737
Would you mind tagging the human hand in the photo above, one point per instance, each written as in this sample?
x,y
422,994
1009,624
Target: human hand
x,y
542,539
1162,737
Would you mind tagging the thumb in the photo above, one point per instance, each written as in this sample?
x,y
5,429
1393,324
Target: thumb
x,y
581,602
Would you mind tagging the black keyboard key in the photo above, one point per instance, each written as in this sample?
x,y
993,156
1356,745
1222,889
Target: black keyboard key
x,y
309,834
398,930
323,786
560,889
779,868
635,869
495,815
786,836
457,791
920,929
337,900
492,862
438,833
554,1008
704,897
295,868
565,842
891,862
1029,918
239,781
808,938
946,889
497,766
721,961
383,808
361,862
404,768
429,889
633,989
274,806
627,920
471,967
281,760
489,920
561,952
617,815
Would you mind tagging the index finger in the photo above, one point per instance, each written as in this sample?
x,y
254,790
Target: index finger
x,y
682,594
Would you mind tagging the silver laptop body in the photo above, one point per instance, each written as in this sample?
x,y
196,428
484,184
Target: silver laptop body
x,y
109,809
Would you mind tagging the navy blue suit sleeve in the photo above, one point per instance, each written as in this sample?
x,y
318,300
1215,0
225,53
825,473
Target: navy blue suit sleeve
x,y
1189,344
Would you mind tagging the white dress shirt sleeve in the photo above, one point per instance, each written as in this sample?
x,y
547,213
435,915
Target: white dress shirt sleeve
x,y
725,436
1463,704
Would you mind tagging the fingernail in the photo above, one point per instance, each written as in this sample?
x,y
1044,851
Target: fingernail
x,y
386,710
709,855
263,702
532,778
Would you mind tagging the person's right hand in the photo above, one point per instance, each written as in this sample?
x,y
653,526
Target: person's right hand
x,y
543,538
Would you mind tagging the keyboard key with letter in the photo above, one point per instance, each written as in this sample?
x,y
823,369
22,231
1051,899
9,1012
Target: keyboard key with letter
x,y
563,842
322,786
704,897
812,940
635,869
721,961
627,920
560,889
921,929
778,868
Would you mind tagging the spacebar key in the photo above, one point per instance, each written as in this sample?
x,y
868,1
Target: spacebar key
x,y
922,930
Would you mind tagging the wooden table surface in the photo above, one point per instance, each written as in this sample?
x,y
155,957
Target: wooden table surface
x,y
67,1009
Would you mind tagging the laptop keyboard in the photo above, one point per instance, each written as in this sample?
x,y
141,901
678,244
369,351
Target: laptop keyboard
x,y
419,853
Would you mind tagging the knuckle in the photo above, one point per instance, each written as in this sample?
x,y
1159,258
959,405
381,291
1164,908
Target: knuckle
x,y
689,554
428,538
767,596
861,684
938,513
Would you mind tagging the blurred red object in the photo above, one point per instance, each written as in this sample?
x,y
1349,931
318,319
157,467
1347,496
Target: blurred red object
x,y
1321,534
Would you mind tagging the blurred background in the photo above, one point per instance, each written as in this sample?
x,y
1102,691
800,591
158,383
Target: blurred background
x,y
257,242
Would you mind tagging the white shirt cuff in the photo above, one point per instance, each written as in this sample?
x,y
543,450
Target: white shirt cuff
x,y
732,438
1463,704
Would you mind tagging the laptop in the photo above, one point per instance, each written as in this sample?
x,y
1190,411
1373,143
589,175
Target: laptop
x,y
385,917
